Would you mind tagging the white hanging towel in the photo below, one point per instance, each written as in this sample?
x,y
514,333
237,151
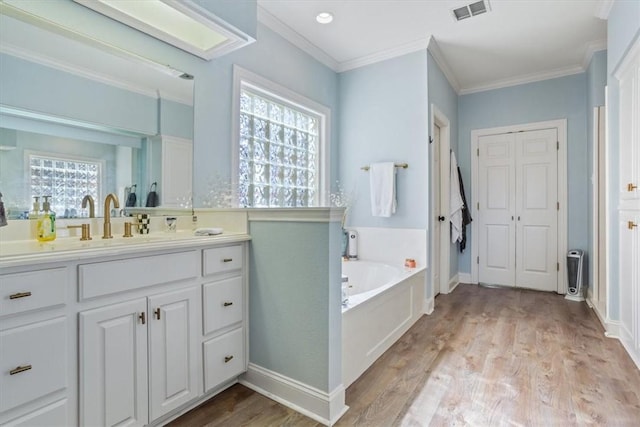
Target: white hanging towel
x,y
455,201
382,180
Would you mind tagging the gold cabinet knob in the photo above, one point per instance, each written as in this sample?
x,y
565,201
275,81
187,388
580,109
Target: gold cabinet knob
x,y
631,186
631,225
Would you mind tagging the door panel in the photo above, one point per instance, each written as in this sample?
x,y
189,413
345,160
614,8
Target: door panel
x,y
113,373
536,209
173,350
496,203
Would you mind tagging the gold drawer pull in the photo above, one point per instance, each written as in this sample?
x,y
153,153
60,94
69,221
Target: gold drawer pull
x,y
631,186
227,304
227,359
631,225
19,369
227,260
20,295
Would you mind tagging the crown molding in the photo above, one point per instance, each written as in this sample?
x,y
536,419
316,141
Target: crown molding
x,y
414,46
524,79
295,38
603,8
438,56
591,48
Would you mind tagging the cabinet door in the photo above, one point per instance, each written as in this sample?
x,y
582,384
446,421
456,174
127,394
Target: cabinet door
x,y
629,276
629,108
113,365
174,371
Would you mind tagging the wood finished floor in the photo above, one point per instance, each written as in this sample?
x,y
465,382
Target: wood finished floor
x,y
485,357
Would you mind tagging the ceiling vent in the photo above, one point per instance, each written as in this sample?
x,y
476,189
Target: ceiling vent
x,y
473,9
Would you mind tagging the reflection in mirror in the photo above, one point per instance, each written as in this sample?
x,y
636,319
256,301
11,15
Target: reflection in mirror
x,y
76,120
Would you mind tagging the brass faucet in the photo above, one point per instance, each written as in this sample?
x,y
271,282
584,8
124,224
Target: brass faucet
x,y
107,214
92,206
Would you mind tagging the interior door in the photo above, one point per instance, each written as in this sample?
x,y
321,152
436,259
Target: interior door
x,y
496,204
517,207
536,209
437,211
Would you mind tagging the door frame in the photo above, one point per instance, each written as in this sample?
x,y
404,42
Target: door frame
x,y
561,126
440,119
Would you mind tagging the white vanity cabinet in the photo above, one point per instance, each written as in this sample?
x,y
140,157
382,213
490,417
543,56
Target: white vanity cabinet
x,y
123,343
224,314
127,338
144,350
34,350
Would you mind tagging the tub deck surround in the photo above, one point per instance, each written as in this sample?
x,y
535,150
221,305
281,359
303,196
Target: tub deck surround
x,y
392,245
385,302
370,278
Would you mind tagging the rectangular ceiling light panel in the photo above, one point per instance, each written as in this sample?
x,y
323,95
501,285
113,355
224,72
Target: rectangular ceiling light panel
x,y
182,24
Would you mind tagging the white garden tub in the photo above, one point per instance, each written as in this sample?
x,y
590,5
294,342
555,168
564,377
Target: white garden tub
x,y
384,301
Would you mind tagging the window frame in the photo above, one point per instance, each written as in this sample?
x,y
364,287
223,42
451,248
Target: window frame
x,y
270,90
65,157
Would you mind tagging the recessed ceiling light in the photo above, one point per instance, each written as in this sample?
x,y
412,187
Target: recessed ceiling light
x,y
324,17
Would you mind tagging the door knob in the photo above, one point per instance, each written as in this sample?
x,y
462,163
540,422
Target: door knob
x,y
441,218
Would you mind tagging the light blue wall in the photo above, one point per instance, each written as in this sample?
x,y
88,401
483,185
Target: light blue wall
x,y
384,117
442,95
295,322
560,98
596,82
623,27
271,57
37,88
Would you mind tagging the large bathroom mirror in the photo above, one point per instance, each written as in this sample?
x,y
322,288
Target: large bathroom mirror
x,y
77,119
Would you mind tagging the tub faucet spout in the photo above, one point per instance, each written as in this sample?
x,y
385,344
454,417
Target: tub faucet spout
x,y
107,214
92,206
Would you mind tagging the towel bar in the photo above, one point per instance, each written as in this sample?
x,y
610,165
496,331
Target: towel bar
x,y
398,165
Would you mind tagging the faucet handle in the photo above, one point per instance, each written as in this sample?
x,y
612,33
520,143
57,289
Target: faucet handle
x,y
86,230
127,230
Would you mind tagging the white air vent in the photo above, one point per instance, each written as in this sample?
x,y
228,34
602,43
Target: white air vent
x,y
473,9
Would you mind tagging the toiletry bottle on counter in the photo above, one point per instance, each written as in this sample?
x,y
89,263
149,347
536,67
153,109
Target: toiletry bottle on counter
x,y
46,227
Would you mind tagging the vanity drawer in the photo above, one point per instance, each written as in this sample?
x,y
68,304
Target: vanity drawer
x,y
222,303
110,277
33,290
220,260
33,362
54,415
223,358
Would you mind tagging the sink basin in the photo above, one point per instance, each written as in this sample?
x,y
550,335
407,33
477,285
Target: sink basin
x,y
24,247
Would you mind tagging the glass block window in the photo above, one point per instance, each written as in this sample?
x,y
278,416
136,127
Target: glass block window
x,y
279,149
67,181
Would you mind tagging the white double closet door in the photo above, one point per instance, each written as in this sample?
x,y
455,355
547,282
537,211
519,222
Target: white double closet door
x,y
518,209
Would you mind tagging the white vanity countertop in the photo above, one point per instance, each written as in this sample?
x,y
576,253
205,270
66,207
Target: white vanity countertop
x,y
24,252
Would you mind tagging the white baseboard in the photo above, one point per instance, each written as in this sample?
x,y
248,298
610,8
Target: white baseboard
x,y
429,306
453,283
464,277
612,328
325,408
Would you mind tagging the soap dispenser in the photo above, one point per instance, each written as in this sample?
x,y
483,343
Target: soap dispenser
x,y
35,211
46,227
